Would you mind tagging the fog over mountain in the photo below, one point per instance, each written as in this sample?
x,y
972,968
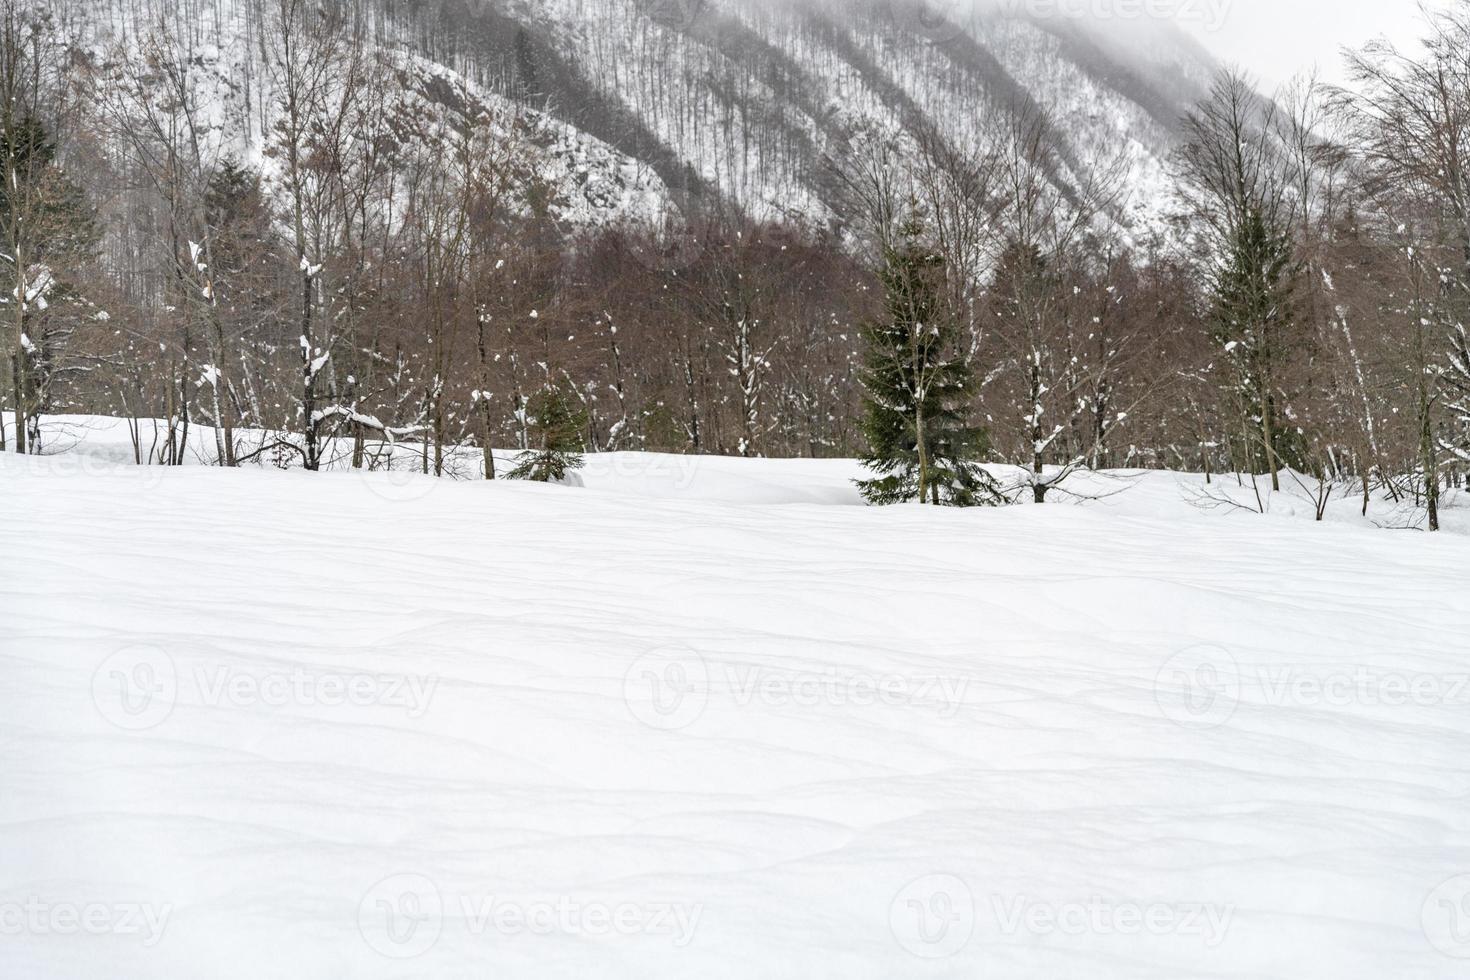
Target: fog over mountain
x,y
1276,41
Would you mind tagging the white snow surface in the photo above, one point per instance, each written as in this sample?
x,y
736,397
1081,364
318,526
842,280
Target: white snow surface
x,y
708,718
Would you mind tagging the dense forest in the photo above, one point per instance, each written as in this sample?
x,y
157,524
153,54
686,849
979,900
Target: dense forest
x,y
385,261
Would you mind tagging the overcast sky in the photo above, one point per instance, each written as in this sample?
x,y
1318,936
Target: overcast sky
x,y
1276,39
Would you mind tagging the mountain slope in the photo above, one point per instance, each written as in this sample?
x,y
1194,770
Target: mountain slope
x,y
640,101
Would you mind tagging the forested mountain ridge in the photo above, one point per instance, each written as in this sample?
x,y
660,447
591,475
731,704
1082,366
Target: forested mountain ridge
x,y
639,103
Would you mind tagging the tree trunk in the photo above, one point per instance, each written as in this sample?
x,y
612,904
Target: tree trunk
x,y
1038,464
486,435
1429,462
223,407
1268,435
18,371
923,450
308,377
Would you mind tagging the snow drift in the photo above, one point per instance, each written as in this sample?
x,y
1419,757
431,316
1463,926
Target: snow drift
x,y
277,724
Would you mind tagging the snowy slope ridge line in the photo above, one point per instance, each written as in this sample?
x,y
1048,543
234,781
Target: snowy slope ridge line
x,y
265,723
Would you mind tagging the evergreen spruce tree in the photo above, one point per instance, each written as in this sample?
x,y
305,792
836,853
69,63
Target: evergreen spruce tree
x,y
917,388
232,192
556,432
1253,298
526,75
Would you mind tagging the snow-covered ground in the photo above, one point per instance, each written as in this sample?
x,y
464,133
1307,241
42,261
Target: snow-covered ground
x,y
706,718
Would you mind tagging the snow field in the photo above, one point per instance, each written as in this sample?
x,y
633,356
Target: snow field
x,y
702,718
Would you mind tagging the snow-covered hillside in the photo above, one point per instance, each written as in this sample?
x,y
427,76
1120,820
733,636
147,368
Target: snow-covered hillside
x,y
697,718
231,83
638,101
